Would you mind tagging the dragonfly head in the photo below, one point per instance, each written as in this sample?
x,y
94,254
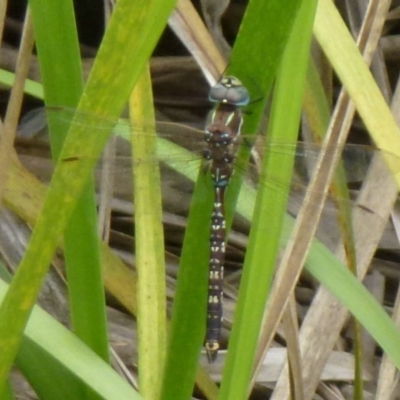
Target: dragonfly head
x,y
229,90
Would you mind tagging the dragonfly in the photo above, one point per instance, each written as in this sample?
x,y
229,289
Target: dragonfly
x,y
221,133
216,148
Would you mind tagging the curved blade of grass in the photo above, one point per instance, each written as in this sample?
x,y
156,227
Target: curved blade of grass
x,y
269,209
149,239
54,30
137,26
345,286
74,356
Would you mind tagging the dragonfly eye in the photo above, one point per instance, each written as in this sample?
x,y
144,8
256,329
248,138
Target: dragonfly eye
x,y
229,90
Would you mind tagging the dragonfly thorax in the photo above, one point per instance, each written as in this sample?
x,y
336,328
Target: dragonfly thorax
x,y
218,138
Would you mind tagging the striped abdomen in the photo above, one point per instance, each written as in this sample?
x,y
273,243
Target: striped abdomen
x,y
216,276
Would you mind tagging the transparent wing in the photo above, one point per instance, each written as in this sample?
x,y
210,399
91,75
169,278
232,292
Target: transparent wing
x,y
180,147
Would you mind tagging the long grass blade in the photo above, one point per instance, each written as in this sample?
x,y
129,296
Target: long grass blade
x,y
269,210
64,85
149,239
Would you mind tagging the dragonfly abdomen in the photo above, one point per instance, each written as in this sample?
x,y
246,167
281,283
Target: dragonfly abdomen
x,y
215,279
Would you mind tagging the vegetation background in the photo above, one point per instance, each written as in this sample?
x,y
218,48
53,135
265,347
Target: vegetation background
x,y
286,331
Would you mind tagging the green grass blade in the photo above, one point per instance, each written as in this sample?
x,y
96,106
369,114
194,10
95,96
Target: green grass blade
x,y
32,88
49,378
55,29
345,287
269,210
149,245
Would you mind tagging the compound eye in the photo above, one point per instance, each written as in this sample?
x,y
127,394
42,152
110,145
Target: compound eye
x,y
229,90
